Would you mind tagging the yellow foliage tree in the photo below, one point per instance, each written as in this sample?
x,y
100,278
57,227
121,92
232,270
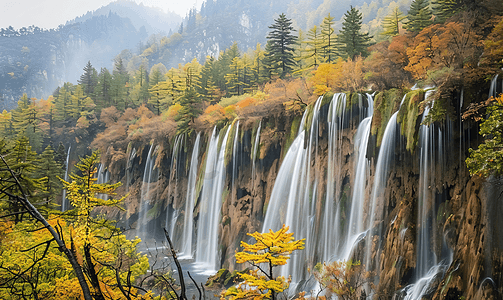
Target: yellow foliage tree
x,y
272,249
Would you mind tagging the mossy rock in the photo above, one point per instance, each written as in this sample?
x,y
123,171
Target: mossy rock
x,y
224,278
408,115
385,104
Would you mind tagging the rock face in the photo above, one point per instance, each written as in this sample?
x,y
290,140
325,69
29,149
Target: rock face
x,y
462,213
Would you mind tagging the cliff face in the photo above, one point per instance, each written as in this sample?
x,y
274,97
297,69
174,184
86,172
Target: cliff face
x,y
428,216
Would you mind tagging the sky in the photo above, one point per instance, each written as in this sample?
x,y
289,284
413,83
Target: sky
x,y
51,13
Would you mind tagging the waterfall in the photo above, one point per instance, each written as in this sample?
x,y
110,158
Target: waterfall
x,y
175,169
146,197
102,176
188,222
431,161
331,220
426,197
234,155
65,204
210,203
255,149
356,221
291,196
129,166
384,159
493,90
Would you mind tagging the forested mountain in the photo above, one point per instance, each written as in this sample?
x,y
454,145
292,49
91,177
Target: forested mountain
x,y
154,20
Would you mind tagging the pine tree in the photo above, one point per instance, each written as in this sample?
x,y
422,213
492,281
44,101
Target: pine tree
x,y
258,65
391,23
189,111
103,89
352,42
280,45
89,79
328,38
419,16
444,9
118,90
49,170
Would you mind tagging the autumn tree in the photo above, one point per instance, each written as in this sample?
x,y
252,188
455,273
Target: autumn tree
x,y
280,41
271,249
352,41
441,47
419,16
342,278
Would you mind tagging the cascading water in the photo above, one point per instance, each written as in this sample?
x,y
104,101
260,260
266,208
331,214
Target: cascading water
x,y
384,159
428,267
102,176
129,166
331,220
210,204
234,154
175,169
65,204
291,197
148,175
188,222
255,149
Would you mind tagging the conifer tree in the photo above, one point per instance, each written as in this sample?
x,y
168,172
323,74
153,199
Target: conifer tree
x,y
89,79
313,50
103,89
118,90
49,170
189,111
391,23
419,16
328,47
444,9
352,42
279,46
258,65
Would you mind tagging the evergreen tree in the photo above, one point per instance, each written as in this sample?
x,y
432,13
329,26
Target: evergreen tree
x,y
118,89
62,102
444,9
280,43
49,169
189,111
419,16
391,23
60,156
89,79
352,42
103,89
23,161
328,39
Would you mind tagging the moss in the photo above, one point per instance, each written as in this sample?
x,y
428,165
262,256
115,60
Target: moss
x,y
294,129
407,117
327,98
225,193
385,104
230,143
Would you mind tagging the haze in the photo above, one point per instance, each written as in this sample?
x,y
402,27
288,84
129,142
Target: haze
x,y
52,13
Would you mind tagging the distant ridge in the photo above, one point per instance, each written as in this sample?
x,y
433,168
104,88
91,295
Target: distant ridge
x,y
153,19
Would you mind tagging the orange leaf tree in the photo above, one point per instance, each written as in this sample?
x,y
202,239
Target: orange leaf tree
x,y
271,249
